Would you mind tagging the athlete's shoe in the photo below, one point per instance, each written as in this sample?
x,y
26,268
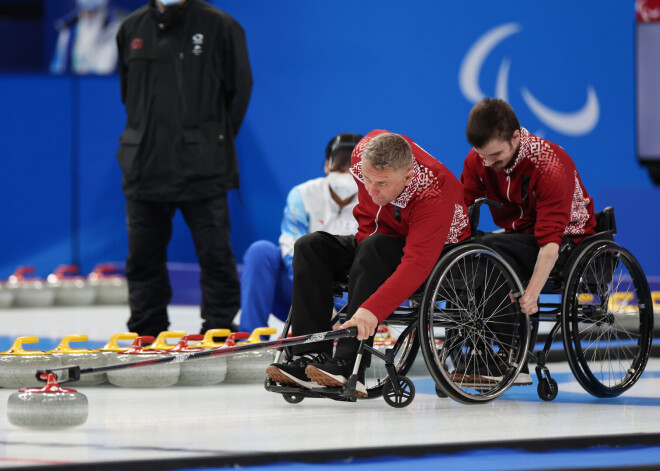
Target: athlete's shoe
x,y
292,372
334,372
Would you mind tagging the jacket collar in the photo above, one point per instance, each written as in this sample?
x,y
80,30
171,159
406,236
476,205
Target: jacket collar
x,y
524,149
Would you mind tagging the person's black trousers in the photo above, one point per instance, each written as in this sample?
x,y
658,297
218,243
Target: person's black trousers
x,y
149,232
319,260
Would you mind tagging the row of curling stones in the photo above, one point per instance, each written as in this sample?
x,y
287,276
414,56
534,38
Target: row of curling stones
x,y
19,366
203,371
237,368
64,287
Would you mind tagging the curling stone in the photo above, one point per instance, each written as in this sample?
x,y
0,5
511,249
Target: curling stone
x,y
111,287
82,357
110,349
6,296
18,367
198,371
48,407
152,376
30,292
71,289
161,343
249,366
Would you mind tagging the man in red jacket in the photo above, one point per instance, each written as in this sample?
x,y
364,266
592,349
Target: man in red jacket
x,y
409,207
546,206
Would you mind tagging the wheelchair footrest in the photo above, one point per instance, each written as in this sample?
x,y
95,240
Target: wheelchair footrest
x,y
337,394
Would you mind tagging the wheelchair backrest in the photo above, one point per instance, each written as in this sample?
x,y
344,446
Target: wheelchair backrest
x,y
569,251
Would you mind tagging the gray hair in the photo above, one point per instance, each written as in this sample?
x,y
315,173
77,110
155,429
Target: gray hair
x,y
388,151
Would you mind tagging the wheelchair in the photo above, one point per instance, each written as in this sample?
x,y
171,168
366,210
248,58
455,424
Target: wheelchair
x,y
605,315
475,340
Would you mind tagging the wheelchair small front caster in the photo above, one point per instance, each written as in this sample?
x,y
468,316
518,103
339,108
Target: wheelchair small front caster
x,y
292,398
547,389
405,395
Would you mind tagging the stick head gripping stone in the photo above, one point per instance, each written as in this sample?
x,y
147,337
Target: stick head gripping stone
x,y
49,407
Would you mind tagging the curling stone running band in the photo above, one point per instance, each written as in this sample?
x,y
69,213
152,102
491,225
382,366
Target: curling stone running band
x,y
73,373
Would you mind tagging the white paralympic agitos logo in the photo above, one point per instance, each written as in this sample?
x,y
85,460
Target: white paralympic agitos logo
x,y
575,123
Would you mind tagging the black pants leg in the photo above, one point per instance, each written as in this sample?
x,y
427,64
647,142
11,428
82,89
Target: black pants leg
x,y
149,227
319,258
209,224
376,258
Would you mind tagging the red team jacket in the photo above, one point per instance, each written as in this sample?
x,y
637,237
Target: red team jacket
x,y
431,213
542,192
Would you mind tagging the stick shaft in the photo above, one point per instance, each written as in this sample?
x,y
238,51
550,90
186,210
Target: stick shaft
x,y
72,373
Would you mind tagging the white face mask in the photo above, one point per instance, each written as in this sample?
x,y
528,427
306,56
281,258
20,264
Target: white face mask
x,y
91,5
342,184
169,3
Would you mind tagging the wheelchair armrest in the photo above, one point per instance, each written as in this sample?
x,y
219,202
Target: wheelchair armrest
x,y
474,211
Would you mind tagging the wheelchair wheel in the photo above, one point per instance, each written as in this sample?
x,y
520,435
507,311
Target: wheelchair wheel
x,y
405,396
607,319
292,398
473,335
396,336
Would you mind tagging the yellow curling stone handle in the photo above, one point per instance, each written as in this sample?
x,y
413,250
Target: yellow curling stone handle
x,y
161,341
17,347
113,343
256,334
64,346
208,341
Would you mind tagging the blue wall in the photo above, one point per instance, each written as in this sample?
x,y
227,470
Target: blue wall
x,y
326,67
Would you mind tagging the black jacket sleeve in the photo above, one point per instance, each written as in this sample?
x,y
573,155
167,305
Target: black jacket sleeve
x,y
237,75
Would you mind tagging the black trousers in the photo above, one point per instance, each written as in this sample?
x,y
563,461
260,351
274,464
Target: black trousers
x,y
321,258
149,232
519,250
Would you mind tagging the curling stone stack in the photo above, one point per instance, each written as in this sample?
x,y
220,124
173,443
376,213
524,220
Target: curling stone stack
x,y
150,376
112,348
111,287
30,292
249,366
6,295
199,371
18,367
82,357
47,407
71,289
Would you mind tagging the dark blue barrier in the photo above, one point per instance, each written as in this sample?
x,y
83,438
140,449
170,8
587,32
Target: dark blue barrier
x,y
319,69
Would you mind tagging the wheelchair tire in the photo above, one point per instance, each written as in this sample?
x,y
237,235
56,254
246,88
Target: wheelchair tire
x,y
404,397
465,301
292,398
547,389
607,319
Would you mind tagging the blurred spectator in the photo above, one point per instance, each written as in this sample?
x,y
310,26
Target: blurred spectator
x,y
86,39
322,204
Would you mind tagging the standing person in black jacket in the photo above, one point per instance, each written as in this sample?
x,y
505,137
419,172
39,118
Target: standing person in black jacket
x,y
186,83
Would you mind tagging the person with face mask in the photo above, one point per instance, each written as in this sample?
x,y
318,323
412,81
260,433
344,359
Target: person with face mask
x,y
186,82
86,39
322,204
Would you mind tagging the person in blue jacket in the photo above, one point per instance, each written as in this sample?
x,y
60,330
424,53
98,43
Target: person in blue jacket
x,y
86,39
321,204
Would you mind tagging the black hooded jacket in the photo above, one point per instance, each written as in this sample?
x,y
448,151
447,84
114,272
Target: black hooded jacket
x,y
186,83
